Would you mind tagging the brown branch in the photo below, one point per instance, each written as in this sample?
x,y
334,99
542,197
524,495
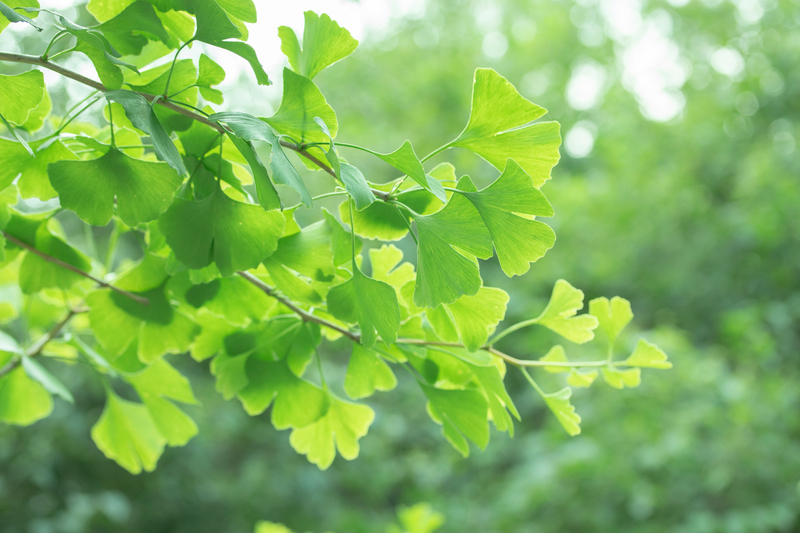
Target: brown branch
x,y
37,348
302,313
135,297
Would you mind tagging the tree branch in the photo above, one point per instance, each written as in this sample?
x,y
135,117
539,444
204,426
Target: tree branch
x,y
135,297
302,313
37,348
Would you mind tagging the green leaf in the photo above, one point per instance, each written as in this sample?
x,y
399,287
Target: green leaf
x,y
127,31
559,404
324,43
246,52
19,139
213,23
473,318
37,117
612,316
648,355
154,385
297,403
250,128
118,320
366,373
518,240
291,284
302,102
143,190
141,114
53,385
370,303
23,401
308,251
444,274
127,434
22,93
556,354
210,72
419,518
356,184
559,315
339,429
581,379
235,299
500,403
496,130
406,161
244,10
236,236
109,73
268,197
32,171
341,240
619,379
9,15
462,413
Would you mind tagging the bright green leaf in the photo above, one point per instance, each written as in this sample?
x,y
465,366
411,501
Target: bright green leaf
x,y
406,161
23,401
559,404
324,43
143,190
613,316
366,373
581,379
495,130
127,434
370,303
648,355
22,93
302,102
556,354
53,385
462,413
619,379
236,236
518,240
559,315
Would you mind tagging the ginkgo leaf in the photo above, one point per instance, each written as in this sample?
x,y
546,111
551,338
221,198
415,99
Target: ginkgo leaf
x,y
496,129
406,161
109,73
462,413
125,31
370,303
559,404
556,354
648,355
141,114
22,93
37,117
142,190
518,240
302,102
292,285
472,318
158,384
234,299
443,273
619,379
295,402
268,197
341,240
366,373
7,14
246,52
324,43
250,128
127,434
501,405
356,184
581,379
210,74
236,236
23,400
32,170
308,251
339,429
559,315
612,315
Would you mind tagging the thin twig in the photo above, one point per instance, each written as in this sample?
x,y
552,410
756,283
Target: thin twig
x,y
135,297
37,348
305,315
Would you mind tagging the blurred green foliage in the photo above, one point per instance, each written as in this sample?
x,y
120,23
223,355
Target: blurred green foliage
x,y
696,220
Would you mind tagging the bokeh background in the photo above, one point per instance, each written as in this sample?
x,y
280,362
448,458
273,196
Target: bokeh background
x,y
678,189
